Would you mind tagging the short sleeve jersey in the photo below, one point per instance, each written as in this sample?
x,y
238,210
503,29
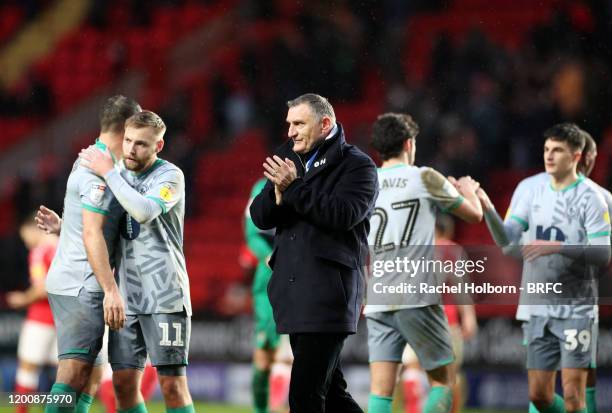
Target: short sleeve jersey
x,y
405,216
576,215
523,190
152,271
70,270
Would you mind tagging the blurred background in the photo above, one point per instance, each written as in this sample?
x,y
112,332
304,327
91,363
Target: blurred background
x,y
483,78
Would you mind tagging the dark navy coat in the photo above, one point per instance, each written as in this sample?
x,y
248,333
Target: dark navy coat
x,y
320,247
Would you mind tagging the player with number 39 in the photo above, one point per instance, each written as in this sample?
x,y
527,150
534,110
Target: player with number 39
x,y
564,225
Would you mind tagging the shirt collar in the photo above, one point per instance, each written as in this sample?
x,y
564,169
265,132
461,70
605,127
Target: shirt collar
x,y
103,147
332,132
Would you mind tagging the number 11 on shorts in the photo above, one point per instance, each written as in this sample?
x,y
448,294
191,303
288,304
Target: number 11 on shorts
x,y
165,341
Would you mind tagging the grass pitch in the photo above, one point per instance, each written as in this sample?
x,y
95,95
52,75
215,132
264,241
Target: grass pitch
x,y
158,407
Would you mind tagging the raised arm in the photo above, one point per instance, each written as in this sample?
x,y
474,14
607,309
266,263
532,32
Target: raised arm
x,y
142,208
507,235
265,213
469,208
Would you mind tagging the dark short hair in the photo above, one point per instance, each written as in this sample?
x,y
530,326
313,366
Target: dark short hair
x,y
569,133
319,105
116,110
390,131
28,219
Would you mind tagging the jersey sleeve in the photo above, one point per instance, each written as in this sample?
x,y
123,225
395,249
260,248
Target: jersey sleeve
x,y
517,195
597,221
520,207
95,195
608,196
168,189
440,190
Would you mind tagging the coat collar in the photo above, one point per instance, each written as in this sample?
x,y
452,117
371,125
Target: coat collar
x,y
330,155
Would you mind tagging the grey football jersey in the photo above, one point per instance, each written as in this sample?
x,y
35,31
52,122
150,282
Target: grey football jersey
x,y
523,189
606,194
576,215
152,272
403,224
70,270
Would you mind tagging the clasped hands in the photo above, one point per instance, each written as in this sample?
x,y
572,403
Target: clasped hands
x,y
465,184
281,173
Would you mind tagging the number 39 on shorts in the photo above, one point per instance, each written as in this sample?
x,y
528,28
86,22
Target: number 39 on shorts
x,y
573,338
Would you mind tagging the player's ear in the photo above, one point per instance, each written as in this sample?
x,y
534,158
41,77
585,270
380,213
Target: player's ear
x,y
408,145
326,125
159,145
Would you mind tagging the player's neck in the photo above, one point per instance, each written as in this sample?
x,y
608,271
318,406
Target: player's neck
x,y
394,161
149,165
113,142
559,182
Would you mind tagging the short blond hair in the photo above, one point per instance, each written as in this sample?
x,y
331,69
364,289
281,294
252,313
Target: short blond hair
x,y
146,119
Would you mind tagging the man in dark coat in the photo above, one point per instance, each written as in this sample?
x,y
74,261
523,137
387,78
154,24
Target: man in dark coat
x,y
319,195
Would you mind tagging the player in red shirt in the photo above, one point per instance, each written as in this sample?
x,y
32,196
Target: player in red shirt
x,y
49,222
37,341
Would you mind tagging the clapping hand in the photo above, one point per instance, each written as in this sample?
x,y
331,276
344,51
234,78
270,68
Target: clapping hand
x,y
280,173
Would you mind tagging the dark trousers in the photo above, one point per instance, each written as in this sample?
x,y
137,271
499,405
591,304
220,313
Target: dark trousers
x,y
317,383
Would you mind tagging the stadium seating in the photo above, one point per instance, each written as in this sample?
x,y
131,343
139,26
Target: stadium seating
x,y
89,58
11,18
212,241
504,23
